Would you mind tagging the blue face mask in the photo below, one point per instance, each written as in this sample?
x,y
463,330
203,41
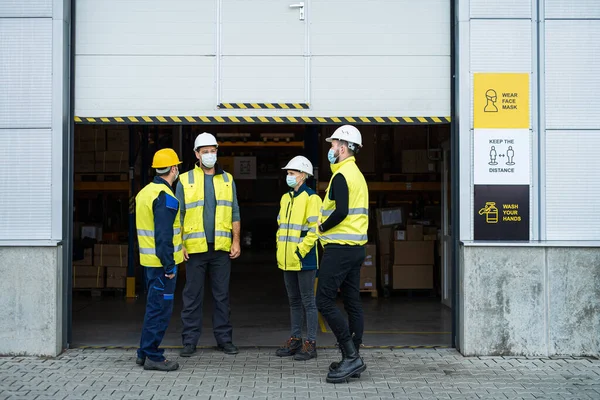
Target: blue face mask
x,y
291,181
331,156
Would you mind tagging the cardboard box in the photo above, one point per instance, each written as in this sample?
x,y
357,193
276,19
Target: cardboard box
x,y
91,231
88,258
117,140
116,277
227,163
110,255
413,253
369,282
371,257
112,161
430,230
399,235
414,232
90,138
389,217
88,277
417,162
84,161
413,276
429,237
385,240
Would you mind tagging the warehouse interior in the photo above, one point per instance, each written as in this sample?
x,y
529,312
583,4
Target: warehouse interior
x,y
406,277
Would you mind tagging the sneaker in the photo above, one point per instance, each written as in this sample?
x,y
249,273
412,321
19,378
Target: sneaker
x,y
291,347
188,350
165,365
140,361
309,350
228,348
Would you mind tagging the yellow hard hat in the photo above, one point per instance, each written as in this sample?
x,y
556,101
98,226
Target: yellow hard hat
x,y
165,158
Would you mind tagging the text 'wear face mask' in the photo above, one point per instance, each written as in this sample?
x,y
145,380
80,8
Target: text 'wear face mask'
x,y
209,159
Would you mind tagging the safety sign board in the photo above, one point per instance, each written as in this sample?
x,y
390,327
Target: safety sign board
x,y
501,100
501,212
501,157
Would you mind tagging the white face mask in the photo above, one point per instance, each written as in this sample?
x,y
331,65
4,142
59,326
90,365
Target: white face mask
x,y
176,175
209,159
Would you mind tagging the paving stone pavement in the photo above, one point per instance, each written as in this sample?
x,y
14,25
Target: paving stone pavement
x,y
85,374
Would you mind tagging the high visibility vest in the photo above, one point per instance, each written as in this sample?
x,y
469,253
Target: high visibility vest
x,y
353,229
297,220
144,219
194,237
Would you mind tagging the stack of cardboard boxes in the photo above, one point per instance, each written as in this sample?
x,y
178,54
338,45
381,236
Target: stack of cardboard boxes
x,y
368,272
103,266
100,150
387,220
414,257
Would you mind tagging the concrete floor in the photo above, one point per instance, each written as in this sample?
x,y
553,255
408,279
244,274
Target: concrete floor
x,y
260,314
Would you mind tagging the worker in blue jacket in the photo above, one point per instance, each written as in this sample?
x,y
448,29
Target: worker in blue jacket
x,y
160,246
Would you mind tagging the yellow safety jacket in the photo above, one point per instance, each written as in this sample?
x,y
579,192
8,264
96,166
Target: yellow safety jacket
x,y
297,233
353,229
144,219
194,238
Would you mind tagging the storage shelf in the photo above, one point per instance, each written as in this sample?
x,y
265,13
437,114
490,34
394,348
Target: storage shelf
x,y
261,144
397,186
121,186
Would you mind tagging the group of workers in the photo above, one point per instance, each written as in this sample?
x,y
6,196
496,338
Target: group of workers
x,y
199,222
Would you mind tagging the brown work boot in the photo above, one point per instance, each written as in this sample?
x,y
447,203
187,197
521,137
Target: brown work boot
x,y
309,350
291,347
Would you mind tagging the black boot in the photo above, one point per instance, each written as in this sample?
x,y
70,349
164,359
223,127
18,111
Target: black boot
x,y
350,365
334,365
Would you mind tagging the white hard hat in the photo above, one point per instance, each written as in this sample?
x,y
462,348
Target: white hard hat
x,y
205,139
300,163
348,133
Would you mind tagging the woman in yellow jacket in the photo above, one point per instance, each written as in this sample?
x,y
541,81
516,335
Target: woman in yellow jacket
x,y
297,257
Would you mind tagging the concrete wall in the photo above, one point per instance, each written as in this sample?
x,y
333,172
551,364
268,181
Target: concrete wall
x,y
536,301
31,311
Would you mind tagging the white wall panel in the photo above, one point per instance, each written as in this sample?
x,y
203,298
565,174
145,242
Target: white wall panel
x,y
146,27
25,8
26,192
263,79
399,86
25,72
133,85
572,188
500,8
572,9
261,27
573,74
403,27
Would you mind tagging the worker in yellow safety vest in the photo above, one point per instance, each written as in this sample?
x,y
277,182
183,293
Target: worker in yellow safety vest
x,y
210,218
342,230
160,248
297,257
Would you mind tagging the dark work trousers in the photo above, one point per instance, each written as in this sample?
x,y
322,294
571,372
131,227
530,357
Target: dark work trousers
x,y
218,266
159,307
340,269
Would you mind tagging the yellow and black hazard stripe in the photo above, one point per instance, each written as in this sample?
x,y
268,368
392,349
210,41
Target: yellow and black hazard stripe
x,y
228,120
265,106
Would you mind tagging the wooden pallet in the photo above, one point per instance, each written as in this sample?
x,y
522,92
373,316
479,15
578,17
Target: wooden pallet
x,y
103,177
374,292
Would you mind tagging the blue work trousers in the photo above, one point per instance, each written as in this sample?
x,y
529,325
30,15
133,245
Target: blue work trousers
x,y
159,307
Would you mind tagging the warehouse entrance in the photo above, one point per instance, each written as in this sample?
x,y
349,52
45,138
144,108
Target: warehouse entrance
x,y
405,278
